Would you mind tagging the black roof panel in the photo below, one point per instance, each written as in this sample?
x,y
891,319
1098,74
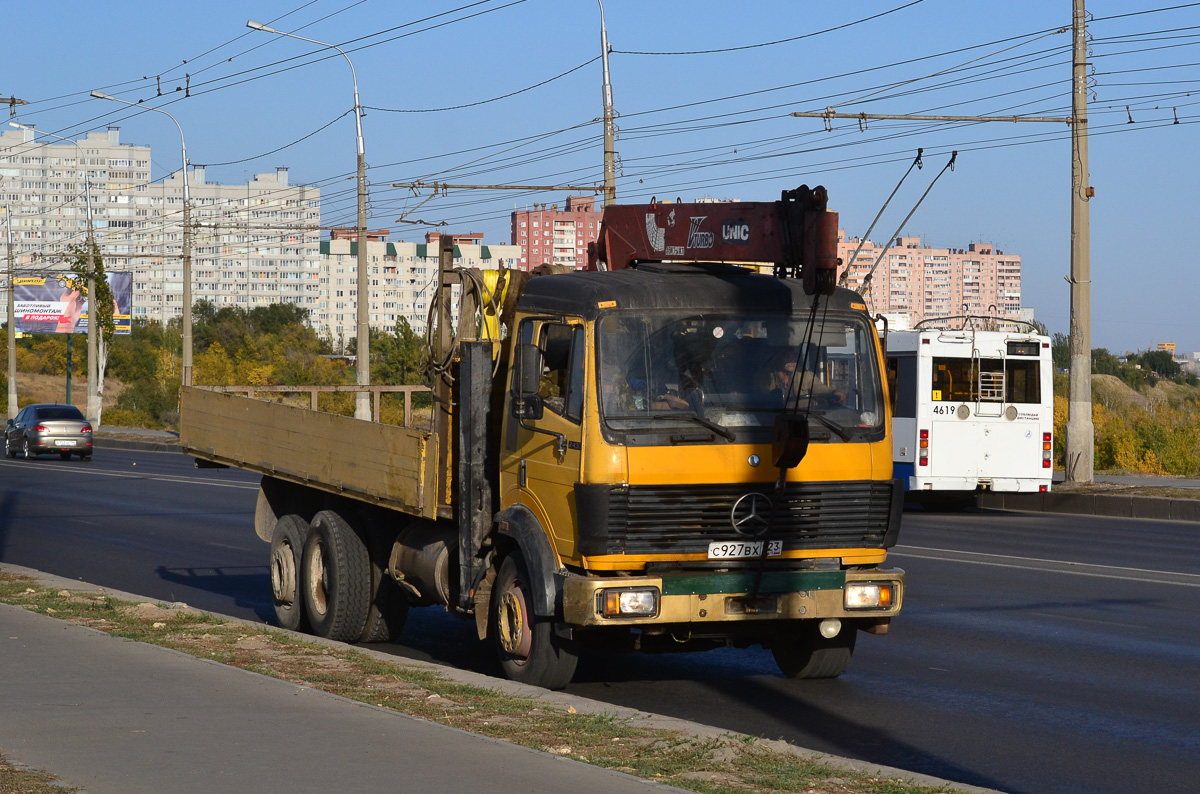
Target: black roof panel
x,y
662,285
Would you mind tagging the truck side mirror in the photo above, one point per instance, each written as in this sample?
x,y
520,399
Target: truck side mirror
x,y
529,370
527,403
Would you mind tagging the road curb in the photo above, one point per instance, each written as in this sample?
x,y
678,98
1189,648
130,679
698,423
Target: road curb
x,y
1112,505
560,700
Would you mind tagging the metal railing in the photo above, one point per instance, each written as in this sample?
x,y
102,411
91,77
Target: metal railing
x,y
314,391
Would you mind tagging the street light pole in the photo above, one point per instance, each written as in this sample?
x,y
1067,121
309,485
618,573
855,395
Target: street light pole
x,y
187,238
362,360
93,356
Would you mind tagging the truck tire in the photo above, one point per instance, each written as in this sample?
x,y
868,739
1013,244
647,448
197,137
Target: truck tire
x,y
387,610
287,549
528,649
336,577
806,654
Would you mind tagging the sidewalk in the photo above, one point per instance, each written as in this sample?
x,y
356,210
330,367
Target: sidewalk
x,y
124,717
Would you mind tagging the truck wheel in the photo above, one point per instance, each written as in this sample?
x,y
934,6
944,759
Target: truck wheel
x,y
806,654
528,649
336,578
387,611
287,548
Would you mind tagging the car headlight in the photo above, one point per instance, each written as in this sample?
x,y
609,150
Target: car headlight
x,y
628,602
869,595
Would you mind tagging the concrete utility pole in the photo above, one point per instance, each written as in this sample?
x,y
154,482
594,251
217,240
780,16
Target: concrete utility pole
x,y
1080,441
610,137
1081,459
12,321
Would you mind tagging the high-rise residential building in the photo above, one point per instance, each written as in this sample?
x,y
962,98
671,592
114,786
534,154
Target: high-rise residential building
x,y
548,235
252,244
401,276
917,282
42,183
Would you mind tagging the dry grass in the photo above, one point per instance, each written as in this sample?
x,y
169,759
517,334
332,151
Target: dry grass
x,y
34,388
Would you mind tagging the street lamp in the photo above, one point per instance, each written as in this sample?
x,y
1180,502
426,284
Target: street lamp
x,y
362,405
93,395
187,239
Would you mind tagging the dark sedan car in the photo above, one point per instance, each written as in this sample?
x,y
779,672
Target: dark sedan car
x,y
48,428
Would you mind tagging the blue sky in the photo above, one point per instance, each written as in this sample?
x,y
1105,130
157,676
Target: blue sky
x,y
506,91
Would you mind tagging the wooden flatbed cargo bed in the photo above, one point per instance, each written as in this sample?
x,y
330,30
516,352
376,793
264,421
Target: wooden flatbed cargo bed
x,y
391,466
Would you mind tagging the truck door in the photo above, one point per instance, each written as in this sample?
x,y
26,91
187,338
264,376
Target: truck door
x,y
541,467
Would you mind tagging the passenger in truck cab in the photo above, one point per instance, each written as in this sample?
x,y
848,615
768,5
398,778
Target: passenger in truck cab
x,y
785,387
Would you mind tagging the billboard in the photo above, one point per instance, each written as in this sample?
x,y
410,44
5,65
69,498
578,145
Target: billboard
x,y
47,304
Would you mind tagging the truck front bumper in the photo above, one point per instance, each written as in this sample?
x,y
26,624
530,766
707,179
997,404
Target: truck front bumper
x,y
716,597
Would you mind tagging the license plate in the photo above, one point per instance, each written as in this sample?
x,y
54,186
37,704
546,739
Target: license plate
x,y
737,550
62,443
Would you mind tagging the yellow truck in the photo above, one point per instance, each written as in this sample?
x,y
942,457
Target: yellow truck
x,y
671,450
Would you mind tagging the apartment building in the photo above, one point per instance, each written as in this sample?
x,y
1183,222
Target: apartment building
x,y
917,281
252,244
44,189
547,235
401,276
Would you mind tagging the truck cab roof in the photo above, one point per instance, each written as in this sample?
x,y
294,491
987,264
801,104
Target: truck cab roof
x,y
701,286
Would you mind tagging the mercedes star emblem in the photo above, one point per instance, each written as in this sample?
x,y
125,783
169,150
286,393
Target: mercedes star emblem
x,y
750,513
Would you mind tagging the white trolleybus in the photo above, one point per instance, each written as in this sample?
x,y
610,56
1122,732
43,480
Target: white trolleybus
x,y
973,410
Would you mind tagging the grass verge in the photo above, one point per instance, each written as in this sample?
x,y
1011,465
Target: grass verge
x,y
18,780
724,765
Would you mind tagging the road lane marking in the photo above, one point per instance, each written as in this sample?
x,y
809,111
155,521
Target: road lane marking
x,y
1052,566
141,476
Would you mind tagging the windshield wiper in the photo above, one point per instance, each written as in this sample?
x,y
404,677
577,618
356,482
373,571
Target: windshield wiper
x,y
720,430
832,425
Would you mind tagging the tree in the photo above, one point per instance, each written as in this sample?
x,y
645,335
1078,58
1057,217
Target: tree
x,y
1159,362
101,306
1060,351
397,358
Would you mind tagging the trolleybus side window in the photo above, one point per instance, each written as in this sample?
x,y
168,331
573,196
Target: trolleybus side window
x,y
1023,382
902,385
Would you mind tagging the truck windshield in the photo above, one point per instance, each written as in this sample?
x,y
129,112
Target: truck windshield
x,y
737,371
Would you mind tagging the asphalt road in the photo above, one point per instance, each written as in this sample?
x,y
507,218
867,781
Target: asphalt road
x,y
1035,653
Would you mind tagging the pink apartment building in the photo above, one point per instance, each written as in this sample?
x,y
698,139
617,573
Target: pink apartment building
x,y
547,234
925,282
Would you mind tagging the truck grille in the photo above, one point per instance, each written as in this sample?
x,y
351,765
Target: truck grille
x,y
681,519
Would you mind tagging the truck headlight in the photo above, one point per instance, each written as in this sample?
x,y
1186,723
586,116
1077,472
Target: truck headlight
x,y
628,602
869,595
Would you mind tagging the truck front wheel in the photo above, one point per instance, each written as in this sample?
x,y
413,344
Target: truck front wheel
x,y
529,650
287,546
806,654
336,577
